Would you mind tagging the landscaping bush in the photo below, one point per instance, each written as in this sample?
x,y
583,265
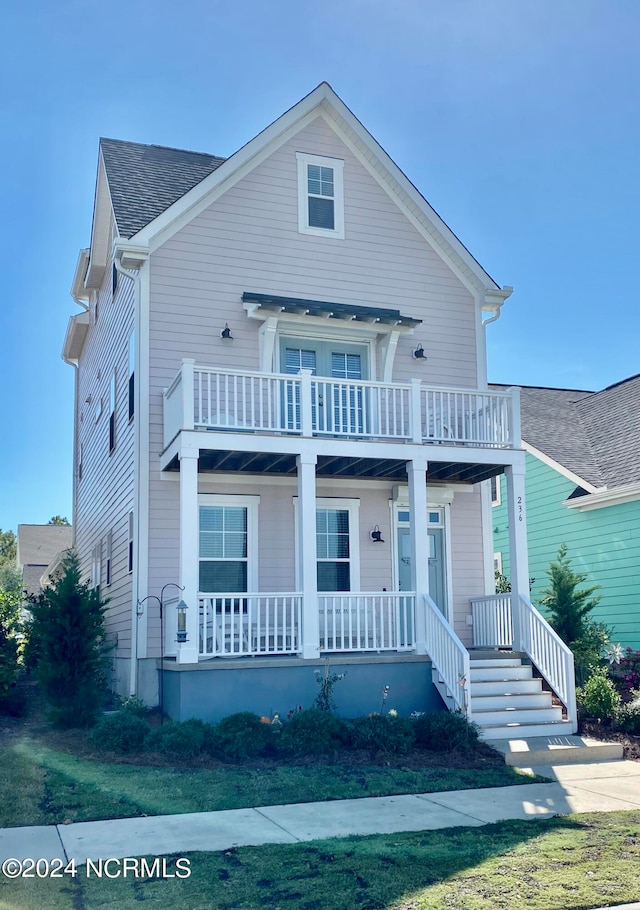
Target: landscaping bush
x,y
313,731
383,733
628,716
134,705
180,741
243,736
446,731
598,697
120,732
625,671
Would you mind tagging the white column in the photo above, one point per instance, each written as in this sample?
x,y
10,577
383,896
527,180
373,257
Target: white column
x,y
307,553
417,471
188,651
518,555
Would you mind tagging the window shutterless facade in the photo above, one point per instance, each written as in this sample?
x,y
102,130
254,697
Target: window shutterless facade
x,y
227,543
320,196
130,545
132,368
108,559
112,412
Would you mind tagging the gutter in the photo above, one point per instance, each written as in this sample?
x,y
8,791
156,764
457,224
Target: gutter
x,y
629,492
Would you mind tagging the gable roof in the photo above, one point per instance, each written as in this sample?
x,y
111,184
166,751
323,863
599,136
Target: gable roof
x,y
144,180
152,213
595,435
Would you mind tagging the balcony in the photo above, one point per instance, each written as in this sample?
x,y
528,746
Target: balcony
x,y
240,401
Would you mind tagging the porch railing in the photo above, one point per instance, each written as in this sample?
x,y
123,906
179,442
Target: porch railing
x,y
492,621
202,397
367,622
550,655
449,657
237,625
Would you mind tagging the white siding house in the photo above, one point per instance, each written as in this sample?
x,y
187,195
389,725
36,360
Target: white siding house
x,y
283,426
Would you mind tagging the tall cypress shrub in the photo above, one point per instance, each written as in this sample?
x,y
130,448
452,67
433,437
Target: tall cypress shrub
x,y
68,628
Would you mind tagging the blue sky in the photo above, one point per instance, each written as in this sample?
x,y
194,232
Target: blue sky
x,y
517,119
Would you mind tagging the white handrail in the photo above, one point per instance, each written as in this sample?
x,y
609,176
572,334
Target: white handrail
x,y
550,655
370,621
239,625
449,656
492,621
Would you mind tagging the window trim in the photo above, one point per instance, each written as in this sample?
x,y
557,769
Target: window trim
x,y
96,566
498,497
108,559
352,506
251,503
112,412
497,563
337,164
130,544
131,388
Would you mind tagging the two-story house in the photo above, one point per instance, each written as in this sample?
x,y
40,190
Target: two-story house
x,y
284,433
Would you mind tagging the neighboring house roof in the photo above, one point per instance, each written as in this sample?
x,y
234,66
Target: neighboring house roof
x,y
144,180
37,547
595,435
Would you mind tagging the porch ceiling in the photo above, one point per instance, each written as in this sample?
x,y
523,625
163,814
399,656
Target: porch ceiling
x,y
231,462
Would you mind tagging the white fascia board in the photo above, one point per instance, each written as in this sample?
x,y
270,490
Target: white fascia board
x,y
74,338
323,101
552,463
630,492
321,322
78,291
102,213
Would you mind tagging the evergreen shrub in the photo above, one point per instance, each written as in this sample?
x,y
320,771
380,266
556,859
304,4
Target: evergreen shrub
x,y
313,731
121,732
383,733
446,731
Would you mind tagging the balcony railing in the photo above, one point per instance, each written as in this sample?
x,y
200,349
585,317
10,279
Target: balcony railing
x,y
367,622
201,397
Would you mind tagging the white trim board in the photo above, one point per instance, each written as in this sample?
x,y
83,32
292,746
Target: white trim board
x,y
630,492
550,462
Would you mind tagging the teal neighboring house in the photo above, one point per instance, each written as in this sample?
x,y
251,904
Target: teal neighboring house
x,y
583,489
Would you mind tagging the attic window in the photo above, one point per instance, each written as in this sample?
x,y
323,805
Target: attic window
x,y
320,196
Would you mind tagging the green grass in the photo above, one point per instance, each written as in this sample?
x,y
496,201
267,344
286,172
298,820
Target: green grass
x,y
564,863
45,786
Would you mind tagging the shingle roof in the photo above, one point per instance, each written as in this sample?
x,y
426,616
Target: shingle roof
x,y
144,180
596,435
38,544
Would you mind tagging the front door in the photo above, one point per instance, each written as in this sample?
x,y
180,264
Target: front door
x,y
435,554
337,407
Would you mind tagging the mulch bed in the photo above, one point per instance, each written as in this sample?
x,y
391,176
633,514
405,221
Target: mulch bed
x,y
597,730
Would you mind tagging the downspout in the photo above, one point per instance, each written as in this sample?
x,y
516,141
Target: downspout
x,y
135,594
76,382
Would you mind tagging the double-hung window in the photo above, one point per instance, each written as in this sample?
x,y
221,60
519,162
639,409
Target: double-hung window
x,y
320,196
227,541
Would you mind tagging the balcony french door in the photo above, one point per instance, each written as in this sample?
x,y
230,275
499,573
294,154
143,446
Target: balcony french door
x,y
337,403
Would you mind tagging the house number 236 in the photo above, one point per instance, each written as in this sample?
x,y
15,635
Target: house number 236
x,y
520,509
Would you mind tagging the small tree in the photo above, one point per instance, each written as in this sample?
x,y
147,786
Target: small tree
x,y
58,520
10,627
68,627
567,607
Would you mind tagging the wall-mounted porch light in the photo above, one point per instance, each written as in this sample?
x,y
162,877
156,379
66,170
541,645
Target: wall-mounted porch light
x,y
376,535
225,334
419,353
181,636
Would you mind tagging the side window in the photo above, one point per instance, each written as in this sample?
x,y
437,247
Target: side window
x,y
495,491
130,545
108,559
112,412
96,565
320,196
132,368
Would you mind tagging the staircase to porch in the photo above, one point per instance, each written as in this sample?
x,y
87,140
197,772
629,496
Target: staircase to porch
x,y
508,701
518,680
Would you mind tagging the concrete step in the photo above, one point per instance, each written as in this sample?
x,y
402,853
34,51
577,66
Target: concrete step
x,y
510,716
507,687
495,662
518,731
502,700
498,673
546,749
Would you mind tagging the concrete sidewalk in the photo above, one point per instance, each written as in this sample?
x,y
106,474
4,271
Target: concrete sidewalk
x,y
602,787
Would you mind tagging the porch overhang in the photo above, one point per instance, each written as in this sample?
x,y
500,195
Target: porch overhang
x,y
232,461
264,306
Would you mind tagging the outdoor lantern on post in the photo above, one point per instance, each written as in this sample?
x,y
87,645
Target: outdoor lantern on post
x,y
182,622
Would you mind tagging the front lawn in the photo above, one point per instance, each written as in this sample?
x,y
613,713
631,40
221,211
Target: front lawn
x,y
564,863
44,785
